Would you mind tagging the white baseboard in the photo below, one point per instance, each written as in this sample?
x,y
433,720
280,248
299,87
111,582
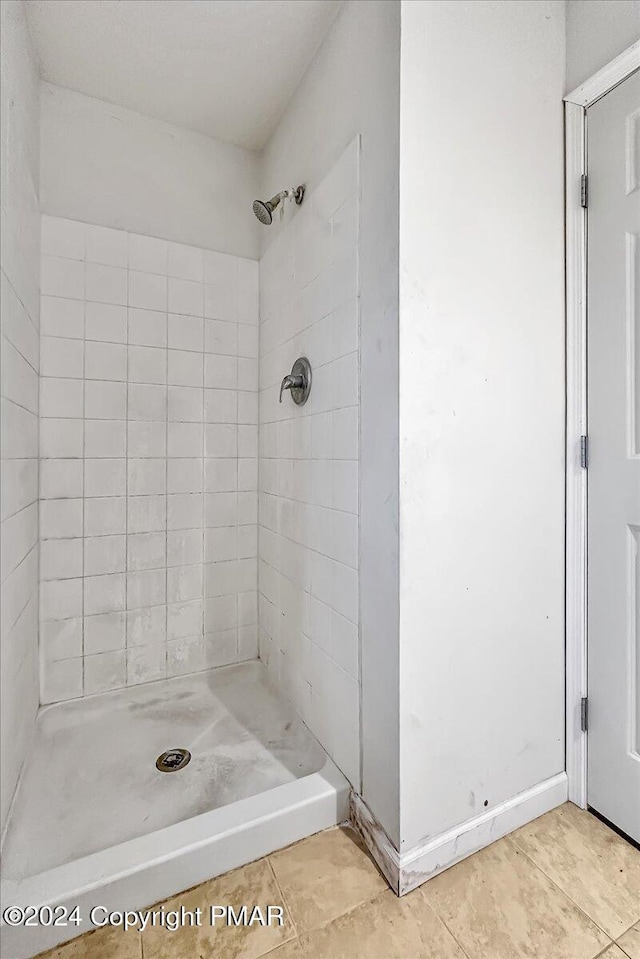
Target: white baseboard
x,y
410,869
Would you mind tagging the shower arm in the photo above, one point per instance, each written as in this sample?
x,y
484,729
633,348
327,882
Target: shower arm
x,y
275,200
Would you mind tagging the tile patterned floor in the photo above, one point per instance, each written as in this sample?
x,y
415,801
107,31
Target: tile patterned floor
x,y
562,887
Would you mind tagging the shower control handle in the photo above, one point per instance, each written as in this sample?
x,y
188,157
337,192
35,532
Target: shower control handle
x,y
298,381
291,382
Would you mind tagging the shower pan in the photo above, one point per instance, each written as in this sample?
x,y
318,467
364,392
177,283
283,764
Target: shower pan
x,y
96,823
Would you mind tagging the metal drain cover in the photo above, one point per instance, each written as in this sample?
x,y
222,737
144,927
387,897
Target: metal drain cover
x,y
172,760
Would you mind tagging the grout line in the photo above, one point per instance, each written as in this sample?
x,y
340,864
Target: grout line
x,y
25,409
25,308
267,859
82,483
24,358
166,484
421,890
22,509
510,838
39,643
618,942
203,566
126,489
612,942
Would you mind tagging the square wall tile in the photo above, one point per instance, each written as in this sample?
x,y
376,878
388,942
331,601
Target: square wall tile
x,y
104,554
105,439
104,671
106,322
185,655
61,398
105,400
62,680
60,558
105,516
147,439
104,594
147,625
60,518
60,599
147,588
105,477
104,632
186,332
105,361
147,328
106,284
60,316
61,479
185,440
147,291
146,664
146,551
60,437
147,365
61,639
61,357
185,296
146,514
147,402
61,277
185,368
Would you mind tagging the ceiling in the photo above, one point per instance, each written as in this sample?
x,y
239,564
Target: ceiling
x,y
225,68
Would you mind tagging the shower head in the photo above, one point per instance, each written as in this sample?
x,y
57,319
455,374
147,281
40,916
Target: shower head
x,y
263,209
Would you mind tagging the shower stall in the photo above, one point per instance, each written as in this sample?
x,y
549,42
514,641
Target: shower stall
x,y
198,555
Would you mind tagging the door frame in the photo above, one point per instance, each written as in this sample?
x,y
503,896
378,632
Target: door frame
x,y
576,104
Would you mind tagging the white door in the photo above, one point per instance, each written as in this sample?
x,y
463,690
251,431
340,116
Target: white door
x,y
613,323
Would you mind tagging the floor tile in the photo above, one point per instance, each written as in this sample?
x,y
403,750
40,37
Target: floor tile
x,y
498,905
613,952
290,950
597,869
250,886
385,928
630,942
101,944
325,876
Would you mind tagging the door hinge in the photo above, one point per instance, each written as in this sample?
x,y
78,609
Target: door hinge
x,y
584,452
584,714
584,191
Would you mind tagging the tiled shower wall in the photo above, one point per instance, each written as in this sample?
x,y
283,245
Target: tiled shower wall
x,y
148,459
20,353
308,562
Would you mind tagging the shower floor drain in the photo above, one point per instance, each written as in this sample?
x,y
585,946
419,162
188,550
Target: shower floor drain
x,y
172,760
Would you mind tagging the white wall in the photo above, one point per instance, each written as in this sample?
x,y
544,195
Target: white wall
x,y
19,424
597,31
110,166
308,509
481,406
351,87
148,440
